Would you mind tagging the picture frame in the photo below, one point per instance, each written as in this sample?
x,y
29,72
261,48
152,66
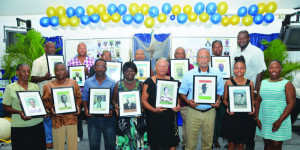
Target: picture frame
x,y
78,74
99,101
114,70
222,63
143,69
31,103
178,67
240,98
52,60
205,89
130,103
64,100
166,93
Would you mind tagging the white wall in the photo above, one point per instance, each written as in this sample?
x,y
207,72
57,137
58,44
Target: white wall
x,y
111,30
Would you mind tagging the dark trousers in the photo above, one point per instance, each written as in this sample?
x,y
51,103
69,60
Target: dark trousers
x,y
295,111
25,138
79,125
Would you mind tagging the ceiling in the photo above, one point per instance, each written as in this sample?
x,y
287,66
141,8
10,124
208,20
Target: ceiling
x,y
37,7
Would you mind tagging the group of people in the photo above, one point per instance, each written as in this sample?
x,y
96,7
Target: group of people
x,y
273,100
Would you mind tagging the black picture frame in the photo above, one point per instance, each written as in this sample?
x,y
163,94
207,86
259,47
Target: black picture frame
x,y
163,100
143,64
27,99
208,85
226,63
78,69
99,108
175,63
240,98
65,107
51,60
114,70
135,108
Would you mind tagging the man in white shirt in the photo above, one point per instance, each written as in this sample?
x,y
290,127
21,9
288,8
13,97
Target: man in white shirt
x,y
296,110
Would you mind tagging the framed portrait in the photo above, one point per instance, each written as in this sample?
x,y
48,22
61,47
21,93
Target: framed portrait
x,y
205,89
178,67
77,73
240,98
114,70
166,93
31,103
143,69
52,60
64,100
99,101
222,63
130,103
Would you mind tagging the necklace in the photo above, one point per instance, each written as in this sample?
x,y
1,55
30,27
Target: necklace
x,y
128,81
274,80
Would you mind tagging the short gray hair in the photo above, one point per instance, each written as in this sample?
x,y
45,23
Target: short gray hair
x,y
203,49
161,58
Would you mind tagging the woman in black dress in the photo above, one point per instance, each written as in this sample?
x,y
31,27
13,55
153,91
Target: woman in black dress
x,y
161,123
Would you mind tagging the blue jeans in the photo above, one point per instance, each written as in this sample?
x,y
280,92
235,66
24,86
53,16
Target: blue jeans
x,y
48,129
99,125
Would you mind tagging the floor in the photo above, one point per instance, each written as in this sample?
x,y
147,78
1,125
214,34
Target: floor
x,y
292,144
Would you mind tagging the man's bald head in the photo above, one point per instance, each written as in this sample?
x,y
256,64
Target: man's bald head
x,y
179,53
139,55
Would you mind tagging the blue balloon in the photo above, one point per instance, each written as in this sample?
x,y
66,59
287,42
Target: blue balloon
x,y
172,17
242,11
122,9
95,18
182,18
215,18
85,19
153,11
166,8
138,18
111,9
269,17
70,12
127,19
258,18
79,12
54,21
253,9
44,22
199,8
211,8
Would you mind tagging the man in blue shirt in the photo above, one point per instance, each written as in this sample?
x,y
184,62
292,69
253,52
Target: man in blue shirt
x,y
105,124
200,117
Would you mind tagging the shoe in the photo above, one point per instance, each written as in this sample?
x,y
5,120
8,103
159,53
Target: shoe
x,y
78,139
49,145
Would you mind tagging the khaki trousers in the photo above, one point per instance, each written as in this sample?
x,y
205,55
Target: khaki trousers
x,y
183,113
59,137
197,121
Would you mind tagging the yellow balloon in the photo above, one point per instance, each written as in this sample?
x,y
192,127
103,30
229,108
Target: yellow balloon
x,y
115,17
176,10
50,12
234,20
261,8
60,11
247,20
192,17
134,9
271,7
204,17
149,22
222,8
162,18
105,17
63,21
225,21
144,9
101,9
91,9
74,21
187,9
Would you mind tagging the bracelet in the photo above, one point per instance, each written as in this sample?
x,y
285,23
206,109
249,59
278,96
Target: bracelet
x,y
255,91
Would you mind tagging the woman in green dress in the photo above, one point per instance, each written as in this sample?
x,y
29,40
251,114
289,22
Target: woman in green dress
x,y
130,130
275,102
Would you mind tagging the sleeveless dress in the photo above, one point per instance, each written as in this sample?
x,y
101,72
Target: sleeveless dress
x,y
237,128
272,106
131,132
162,127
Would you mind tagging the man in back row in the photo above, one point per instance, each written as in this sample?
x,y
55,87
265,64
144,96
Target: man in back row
x,y
105,56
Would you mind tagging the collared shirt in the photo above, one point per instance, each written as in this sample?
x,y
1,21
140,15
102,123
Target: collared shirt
x,y
296,83
39,69
88,62
93,83
187,84
255,61
10,98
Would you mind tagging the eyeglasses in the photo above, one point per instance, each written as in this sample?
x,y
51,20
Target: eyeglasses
x,y
203,57
100,67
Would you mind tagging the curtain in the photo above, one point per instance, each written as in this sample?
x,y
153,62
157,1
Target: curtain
x,y
255,39
153,45
58,43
